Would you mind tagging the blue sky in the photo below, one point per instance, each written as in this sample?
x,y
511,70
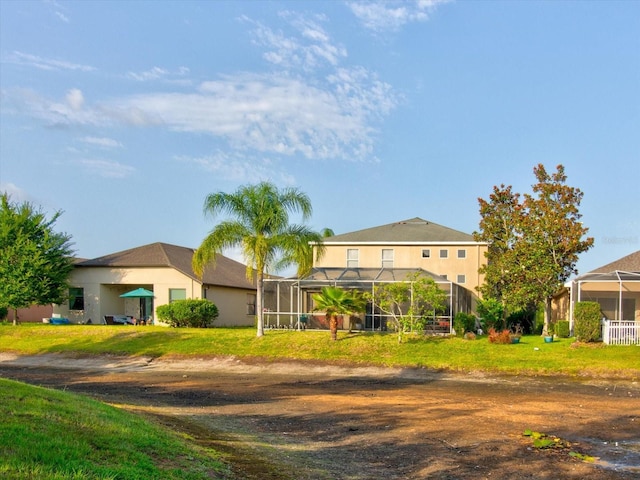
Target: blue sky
x,y
125,115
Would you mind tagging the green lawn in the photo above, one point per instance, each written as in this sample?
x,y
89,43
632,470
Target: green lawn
x,y
51,435
530,356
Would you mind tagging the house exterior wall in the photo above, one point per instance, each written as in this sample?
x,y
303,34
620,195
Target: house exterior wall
x,y
232,306
103,287
412,256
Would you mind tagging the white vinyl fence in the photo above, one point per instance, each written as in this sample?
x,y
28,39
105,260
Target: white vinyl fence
x,y
620,332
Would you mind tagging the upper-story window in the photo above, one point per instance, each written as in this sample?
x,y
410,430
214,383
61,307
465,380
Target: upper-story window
x,y
462,279
387,258
444,253
426,253
462,253
352,257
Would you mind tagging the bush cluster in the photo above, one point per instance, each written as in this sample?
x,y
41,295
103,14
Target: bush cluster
x,y
587,321
496,336
464,322
196,313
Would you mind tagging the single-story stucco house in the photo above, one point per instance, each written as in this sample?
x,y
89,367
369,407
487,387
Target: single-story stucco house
x,y
165,270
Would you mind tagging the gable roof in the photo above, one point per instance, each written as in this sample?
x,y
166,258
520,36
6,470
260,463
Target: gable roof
x,y
414,230
629,263
226,272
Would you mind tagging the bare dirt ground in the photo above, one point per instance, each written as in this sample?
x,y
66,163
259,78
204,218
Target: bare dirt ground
x,y
307,421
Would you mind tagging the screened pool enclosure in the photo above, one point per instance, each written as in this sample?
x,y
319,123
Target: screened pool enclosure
x,y
288,302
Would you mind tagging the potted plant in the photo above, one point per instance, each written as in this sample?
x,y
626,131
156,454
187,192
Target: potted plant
x,y
548,338
517,333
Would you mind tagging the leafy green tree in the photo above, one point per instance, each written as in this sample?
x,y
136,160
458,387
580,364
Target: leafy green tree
x,y
35,261
491,311
408,303
335,301
534,244
259,225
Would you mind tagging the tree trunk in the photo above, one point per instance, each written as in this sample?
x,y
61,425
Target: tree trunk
x,y
259,306
15,316
333,327
547,316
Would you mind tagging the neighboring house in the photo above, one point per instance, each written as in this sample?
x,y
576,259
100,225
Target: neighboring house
x,y
387,253
615,286
97,285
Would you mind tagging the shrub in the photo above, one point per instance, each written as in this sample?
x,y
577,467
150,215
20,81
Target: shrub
x,y
562,328
469,336
464,322
503,336
198,313
491,312
587,321
4,311
525,318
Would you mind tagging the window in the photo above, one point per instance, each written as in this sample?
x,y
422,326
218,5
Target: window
x,y
426,253
462,278
462,253
251,303
177,294
352,257
444,253
387,258
76,298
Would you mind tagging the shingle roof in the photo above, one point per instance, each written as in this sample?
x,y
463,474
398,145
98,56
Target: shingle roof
x,y
414,230
630,263
226,272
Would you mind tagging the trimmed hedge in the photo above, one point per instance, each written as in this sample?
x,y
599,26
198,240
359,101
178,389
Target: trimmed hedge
x,y
562,328
587,321
197,313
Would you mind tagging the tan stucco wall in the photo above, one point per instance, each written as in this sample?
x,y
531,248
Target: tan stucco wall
x,y
232,306
103,287
410,256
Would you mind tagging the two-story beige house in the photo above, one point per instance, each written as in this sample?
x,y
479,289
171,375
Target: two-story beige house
x,y
387,253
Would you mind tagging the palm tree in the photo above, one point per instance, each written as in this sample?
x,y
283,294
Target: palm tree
x,y
260,227
335,301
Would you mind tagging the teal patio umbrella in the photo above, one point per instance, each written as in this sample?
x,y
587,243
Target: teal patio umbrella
x,y
143,294
138,293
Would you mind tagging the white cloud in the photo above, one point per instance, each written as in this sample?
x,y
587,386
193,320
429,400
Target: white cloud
x,y
62,17
157,73
240,168
102,142
20,58
308,46
390,15
273,113
75,99
16,193
106,168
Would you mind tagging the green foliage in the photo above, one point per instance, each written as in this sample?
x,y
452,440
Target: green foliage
x,y
259,225
587,317
409,303
336,301
562,329
491,311
195,313
524,318
463,323
533,240
35,261
4,311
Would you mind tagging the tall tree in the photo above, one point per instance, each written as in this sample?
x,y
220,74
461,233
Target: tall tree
x,y
534,244
335,301
259,225
35,261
